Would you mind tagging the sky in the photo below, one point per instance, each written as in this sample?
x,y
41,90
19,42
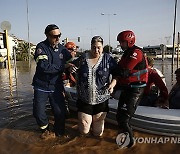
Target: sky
x,y
152,21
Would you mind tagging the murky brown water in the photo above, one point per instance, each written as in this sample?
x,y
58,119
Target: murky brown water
x,y
19,133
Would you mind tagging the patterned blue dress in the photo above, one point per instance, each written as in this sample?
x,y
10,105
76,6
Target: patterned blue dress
x,y
92,82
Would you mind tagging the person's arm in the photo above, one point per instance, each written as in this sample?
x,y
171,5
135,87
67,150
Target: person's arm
x,y
75,64
43,64
162,100
113,68
160,84
112,85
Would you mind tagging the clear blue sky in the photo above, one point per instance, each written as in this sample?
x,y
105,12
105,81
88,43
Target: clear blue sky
x,y
151,20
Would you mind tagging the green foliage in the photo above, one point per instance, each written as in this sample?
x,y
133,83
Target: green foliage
x,y
22,51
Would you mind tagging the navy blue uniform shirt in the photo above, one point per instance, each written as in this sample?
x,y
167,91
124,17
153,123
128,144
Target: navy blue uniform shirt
x,y
50,65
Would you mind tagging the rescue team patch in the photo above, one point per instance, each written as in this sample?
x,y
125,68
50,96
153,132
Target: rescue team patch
x,y
61,56
134,56
38,51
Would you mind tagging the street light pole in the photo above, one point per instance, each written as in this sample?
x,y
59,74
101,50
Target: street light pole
x,y
174,33
109,27
29,50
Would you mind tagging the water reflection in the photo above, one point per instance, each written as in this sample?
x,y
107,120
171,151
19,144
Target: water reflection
x,y
166,68
14,91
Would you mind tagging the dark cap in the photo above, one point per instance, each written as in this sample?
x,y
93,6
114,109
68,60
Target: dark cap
x,y
50,28
177,71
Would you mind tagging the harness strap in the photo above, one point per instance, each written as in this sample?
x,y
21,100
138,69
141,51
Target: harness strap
x,y
138,74
138,86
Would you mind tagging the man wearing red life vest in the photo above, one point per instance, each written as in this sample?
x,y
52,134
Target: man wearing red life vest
x,y
132,78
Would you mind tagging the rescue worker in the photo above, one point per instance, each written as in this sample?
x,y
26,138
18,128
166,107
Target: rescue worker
x,y
156,92
174,95
69,79
72,48
51,58
132,78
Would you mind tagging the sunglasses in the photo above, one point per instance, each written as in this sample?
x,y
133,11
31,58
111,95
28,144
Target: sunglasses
x,y
55,36
71,49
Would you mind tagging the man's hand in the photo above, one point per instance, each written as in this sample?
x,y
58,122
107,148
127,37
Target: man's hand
x,y
73,68
162,103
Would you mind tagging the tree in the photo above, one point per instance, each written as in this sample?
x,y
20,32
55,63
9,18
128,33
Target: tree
x,y
22,51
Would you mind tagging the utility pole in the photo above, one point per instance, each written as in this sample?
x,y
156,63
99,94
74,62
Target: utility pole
x,y
174,33
178,49
108,14
29,47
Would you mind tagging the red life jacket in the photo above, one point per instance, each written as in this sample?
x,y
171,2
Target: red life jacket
x,y
134,60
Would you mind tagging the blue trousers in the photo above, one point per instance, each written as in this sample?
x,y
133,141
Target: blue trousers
x,y
57,103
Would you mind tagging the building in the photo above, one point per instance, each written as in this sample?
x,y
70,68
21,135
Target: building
x,y
12,42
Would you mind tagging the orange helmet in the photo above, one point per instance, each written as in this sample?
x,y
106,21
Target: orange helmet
x,y
128,36
70,45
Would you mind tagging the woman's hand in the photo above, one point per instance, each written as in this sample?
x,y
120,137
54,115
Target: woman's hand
x,y
111,86
111,89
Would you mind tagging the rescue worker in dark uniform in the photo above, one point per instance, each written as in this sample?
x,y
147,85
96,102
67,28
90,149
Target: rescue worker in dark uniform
x,y
132,78
51,58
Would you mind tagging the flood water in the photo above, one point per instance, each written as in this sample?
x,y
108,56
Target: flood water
x,y
19,133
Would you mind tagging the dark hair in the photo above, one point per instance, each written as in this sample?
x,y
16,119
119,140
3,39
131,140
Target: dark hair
x,y
50,28
177,71
96,39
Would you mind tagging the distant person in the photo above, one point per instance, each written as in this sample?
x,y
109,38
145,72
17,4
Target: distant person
x,y
3,60
151,64
51,58
132,79
174,95
94,87
72,48
152,97
69,78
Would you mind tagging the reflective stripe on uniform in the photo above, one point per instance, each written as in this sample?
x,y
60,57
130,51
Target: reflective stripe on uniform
x,y
41,57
